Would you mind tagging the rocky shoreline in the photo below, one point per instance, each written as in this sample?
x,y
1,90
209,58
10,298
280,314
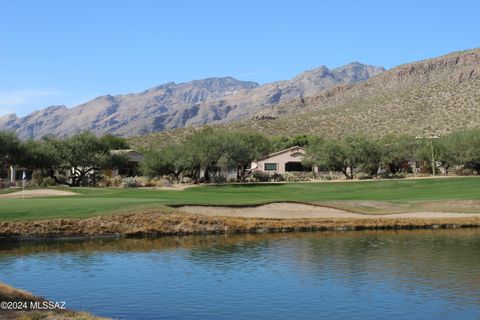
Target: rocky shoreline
x,y
163,222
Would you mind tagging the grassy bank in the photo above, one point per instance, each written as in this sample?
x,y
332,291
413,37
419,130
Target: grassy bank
x,y
9,294
363,196
163,221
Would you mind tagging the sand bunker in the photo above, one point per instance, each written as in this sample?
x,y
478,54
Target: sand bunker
x,y
39,193
295,211
176,187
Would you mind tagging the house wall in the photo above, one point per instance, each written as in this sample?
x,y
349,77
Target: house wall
x,y
289,155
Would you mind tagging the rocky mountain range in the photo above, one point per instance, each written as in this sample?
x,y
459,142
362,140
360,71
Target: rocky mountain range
x,y
171,105
433,96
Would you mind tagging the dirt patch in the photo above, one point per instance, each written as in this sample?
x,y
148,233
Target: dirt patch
x,y
297,211
39,193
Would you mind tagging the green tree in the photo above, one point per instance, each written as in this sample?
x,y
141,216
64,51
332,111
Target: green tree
x,y
188,161
208,146
301,140
84,155
244,147
42,155
463,148
160,162
351,155
114,142
10,149
396,152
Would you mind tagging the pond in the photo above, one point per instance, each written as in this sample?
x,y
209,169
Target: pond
x,y
429,274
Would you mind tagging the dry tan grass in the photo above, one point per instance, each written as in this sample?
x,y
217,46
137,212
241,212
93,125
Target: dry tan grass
x,y
159,221
8,293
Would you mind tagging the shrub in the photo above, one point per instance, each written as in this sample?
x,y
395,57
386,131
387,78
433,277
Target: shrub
x,y
396,175
161,182
464,171
19,183
129,182
144,182
260,176
219,179
48,182
187,180
364,177
4,184
327,177
37,178
299,176
106,181
277,177
117,181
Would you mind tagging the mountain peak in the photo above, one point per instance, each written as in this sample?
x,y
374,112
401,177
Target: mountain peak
x,y
173,105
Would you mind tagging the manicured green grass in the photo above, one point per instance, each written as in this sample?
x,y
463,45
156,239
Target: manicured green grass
x,y
95,201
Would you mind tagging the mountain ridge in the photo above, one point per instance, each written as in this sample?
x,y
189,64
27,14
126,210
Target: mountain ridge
x,y
171,105
431,96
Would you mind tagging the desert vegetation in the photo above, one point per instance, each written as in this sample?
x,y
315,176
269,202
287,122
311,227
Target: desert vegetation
x,y
434,96
207,154
217,150
210,150
74,161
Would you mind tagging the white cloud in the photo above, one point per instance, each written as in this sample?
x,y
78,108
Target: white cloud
x,y
19,97
4,111
16,100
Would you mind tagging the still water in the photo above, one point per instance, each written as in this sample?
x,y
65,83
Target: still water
x,y
352,275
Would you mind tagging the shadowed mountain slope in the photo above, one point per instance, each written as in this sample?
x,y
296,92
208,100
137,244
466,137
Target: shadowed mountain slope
x,y
437,95
170,106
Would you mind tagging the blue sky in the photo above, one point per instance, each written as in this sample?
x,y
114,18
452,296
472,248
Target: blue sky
x,y
67,52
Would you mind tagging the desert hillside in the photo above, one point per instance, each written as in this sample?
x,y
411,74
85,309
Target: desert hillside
x,y
171,105
433,96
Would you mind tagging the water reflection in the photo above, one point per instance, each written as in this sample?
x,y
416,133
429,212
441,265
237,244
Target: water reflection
x,y
425,274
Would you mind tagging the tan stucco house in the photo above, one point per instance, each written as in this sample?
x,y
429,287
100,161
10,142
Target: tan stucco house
x,y
288,160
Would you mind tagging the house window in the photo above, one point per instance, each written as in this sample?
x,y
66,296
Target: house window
x,y
270,166
296,166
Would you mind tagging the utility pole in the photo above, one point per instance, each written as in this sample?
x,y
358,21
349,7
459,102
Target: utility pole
x,y
434,164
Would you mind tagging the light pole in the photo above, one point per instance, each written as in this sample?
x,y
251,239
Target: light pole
x,y
433,151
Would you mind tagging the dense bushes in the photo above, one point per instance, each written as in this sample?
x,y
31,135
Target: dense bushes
x,y
130,182
210,151
74,161
395,156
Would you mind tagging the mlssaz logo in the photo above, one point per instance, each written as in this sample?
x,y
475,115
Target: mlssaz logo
x,y
47,305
